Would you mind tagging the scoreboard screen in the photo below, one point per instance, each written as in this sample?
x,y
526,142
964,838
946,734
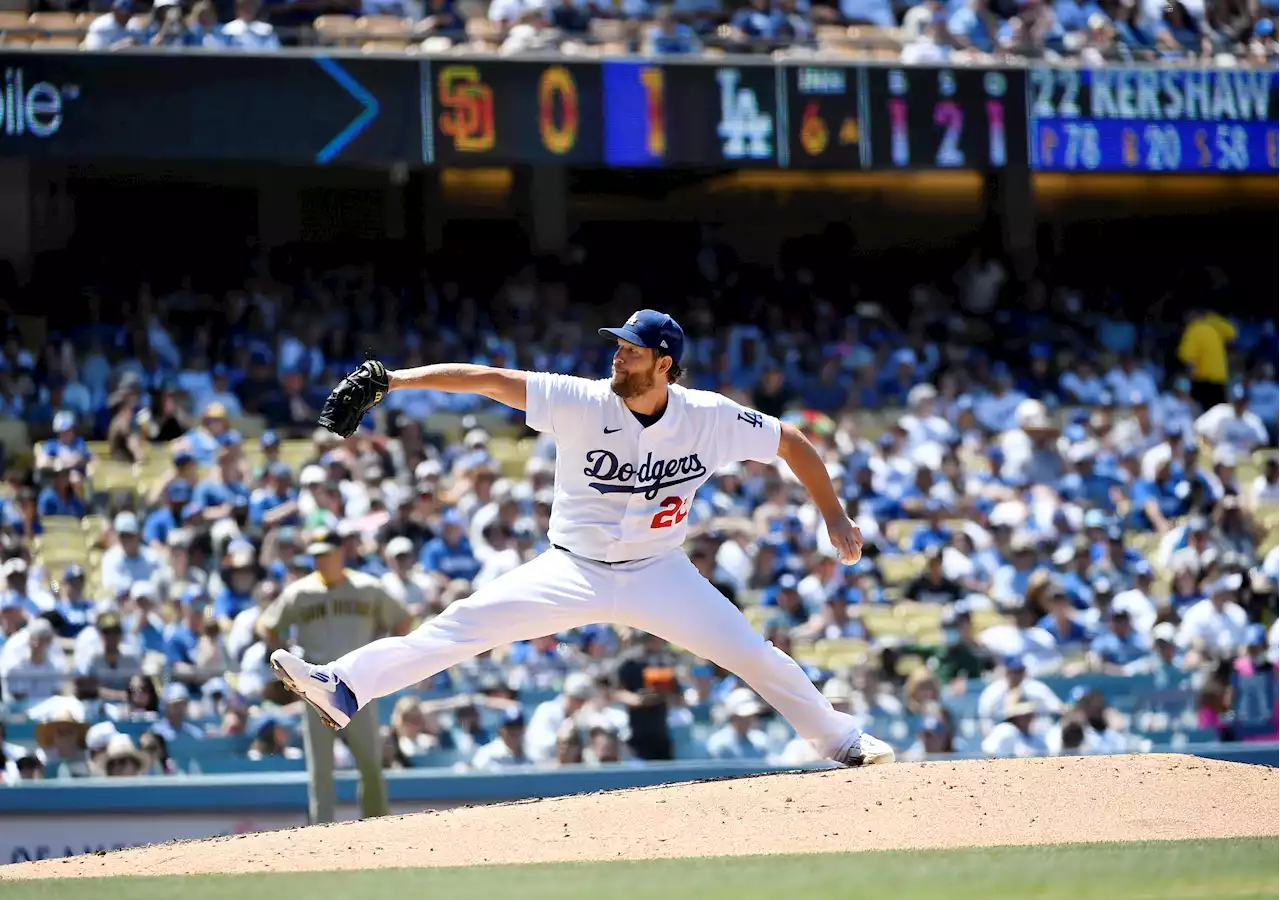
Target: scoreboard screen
x,y
1126,119
946,118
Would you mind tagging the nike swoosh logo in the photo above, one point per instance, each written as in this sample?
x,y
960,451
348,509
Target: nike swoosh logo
x,y
611,430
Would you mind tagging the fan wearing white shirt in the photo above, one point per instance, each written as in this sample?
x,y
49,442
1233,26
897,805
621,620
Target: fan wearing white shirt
x,y
1013,737
415,590
246,32
1232,423
1015,682
1215,626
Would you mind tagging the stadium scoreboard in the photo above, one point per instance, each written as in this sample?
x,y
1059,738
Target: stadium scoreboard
x,y
634,113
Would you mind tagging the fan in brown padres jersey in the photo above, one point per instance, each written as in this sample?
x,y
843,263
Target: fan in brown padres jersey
x,y
330,612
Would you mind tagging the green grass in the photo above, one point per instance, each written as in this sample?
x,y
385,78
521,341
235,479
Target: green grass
x,y
1169,870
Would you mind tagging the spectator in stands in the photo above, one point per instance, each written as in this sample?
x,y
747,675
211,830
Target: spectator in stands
x,y
239,574
411,731
112,30
405,582
38,671
668,37
174,723
163,520
741,737
1232,423
450,555
155,749
935,737
508,748
16,581
113,667
66,446
60,732
1203,349
127,561
1016,682
123,759
272,737
74,609
932,585
1061,622
96,741
973,26
61,496
1013,736
245,32
544,724
1120,648
1217,624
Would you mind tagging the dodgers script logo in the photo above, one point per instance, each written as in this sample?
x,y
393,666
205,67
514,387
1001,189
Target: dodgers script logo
x,y
603,465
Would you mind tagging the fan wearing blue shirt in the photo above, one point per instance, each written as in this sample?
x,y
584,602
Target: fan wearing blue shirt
x,y
183,636
60,497
1120,645
238,576
668,37
76,609
65,445
275,503
1060,622
970,26
933,533
785,596
450,554
1157,501
160,522
216,496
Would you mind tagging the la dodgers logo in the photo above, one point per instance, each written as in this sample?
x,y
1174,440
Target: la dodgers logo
x,y
650,477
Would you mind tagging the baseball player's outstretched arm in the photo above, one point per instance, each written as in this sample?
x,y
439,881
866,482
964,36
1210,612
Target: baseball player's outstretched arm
x,y
507,386
795,450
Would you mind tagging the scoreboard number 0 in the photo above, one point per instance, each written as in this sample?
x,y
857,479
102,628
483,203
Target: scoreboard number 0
x,y
558,113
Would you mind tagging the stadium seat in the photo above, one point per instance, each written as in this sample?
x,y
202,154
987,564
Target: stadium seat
x,y
335,29
12,20
385,26
389,45
55,21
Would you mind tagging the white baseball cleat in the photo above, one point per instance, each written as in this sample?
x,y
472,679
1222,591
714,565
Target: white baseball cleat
x,y
864,750
315,684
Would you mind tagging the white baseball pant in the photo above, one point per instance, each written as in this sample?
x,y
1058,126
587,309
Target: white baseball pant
x,y
664,595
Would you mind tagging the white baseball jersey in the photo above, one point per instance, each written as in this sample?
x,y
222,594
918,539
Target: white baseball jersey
x,y
623,491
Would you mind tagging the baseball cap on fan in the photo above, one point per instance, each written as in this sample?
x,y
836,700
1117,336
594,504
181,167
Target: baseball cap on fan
x,y
653,330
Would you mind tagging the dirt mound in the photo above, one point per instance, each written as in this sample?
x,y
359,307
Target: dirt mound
x,y
961,804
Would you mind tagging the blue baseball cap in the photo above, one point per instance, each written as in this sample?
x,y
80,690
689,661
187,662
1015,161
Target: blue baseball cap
x,y
72,572
1236,392
451,517
279,469
1014,662
1255,635
653,330
65,420
195,596
269,439
1182,384
182,457
179,491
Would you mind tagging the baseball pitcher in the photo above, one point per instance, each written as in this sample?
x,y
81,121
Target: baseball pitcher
x,y
630,452
331,611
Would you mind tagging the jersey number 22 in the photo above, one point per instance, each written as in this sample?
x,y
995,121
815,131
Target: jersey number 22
x,y
671,511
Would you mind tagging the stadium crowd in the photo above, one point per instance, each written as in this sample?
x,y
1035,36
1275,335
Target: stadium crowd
x,y
1224,32
1070,543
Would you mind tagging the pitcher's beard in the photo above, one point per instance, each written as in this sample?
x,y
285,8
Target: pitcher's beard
x,y
633,385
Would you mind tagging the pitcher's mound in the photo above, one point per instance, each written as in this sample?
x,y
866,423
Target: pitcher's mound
x,y
960,804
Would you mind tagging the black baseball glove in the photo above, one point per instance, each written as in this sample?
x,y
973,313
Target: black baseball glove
x,y
355,395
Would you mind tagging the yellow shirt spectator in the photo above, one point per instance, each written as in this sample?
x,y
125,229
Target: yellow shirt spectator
x,y
1204,347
